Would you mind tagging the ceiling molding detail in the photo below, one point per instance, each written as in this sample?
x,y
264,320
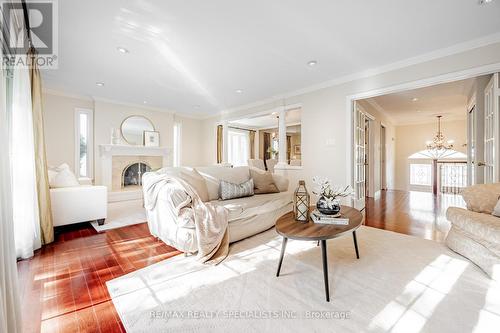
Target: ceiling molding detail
x,y
441,53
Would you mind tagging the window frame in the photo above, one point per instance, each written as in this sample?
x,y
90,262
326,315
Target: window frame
x,y
90,142
241,133
419,187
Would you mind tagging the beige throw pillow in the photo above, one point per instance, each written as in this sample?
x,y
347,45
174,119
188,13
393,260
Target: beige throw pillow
x,y
193,178
263,182
482,198
281,182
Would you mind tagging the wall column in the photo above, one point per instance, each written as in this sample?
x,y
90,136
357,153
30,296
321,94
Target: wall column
x,y
282,139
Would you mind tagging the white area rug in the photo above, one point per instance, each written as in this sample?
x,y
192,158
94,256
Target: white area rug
x,y
400,284
122,214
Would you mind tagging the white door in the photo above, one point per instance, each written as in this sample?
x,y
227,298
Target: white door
x,y
491,131
359,158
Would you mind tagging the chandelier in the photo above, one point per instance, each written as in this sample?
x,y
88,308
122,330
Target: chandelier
x,y
439,147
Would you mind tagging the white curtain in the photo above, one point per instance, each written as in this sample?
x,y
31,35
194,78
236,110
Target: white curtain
x,y
27,232
10,316
24,192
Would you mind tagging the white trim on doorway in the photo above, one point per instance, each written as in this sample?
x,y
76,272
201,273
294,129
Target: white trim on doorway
x,y
427,82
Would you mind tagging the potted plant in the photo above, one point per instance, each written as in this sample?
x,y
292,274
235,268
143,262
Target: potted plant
x,y
329,196
273,152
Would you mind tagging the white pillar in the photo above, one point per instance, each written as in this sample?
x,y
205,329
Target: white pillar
x,y
282,138
225,125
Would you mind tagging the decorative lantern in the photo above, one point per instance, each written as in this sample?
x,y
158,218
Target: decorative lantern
x,y
301,203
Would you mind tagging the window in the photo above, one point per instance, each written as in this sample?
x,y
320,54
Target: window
x,y
420,174
238,147
177,144
84,148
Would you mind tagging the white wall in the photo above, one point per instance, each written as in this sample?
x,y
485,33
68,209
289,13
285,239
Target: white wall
x,y
326,122
412,138
59,121
110,115
191,139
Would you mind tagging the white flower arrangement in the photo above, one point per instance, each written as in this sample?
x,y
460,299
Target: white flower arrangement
x,y
331,194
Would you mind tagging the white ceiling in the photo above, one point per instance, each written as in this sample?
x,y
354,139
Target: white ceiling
x,y
292,117
448,100
190,56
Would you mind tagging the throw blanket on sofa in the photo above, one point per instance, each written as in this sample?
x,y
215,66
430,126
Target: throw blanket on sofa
x,y
210,220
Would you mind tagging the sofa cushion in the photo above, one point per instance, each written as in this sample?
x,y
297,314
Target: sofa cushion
x,y
231,191
242,208
263,182
482,198
62,176
197,182
281,182
214,174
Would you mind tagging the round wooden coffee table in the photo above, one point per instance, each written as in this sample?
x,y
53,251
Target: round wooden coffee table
x,y
287,227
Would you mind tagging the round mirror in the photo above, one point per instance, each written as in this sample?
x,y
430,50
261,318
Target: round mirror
x,y
133,129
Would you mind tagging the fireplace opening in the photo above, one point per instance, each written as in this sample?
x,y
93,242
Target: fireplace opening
x,y
132,175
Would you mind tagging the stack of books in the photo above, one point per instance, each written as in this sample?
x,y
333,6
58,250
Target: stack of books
x,y
318,217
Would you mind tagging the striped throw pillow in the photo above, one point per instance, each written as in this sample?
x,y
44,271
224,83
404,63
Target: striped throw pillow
x,y
229,190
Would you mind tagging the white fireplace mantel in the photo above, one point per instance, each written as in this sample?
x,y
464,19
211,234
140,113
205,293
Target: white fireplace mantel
x,y
129,150
107,151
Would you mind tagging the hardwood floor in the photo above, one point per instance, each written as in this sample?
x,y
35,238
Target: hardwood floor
x,y
63,285
419,214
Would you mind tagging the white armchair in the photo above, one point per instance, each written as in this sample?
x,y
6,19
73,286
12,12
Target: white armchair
x,y
255,163
79,204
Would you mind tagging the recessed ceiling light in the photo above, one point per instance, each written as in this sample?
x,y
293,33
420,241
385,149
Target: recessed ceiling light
x,y
238,91
122,50
312,63
414,99
145,102
99,84
485,2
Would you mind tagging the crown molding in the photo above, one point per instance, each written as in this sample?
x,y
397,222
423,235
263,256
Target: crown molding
x,y
132,105
94,99
380,109
437,54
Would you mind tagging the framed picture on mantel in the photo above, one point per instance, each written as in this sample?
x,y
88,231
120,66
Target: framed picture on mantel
x,y
151,139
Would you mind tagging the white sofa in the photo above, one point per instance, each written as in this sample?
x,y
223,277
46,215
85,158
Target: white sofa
x,y
79,204
247,216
